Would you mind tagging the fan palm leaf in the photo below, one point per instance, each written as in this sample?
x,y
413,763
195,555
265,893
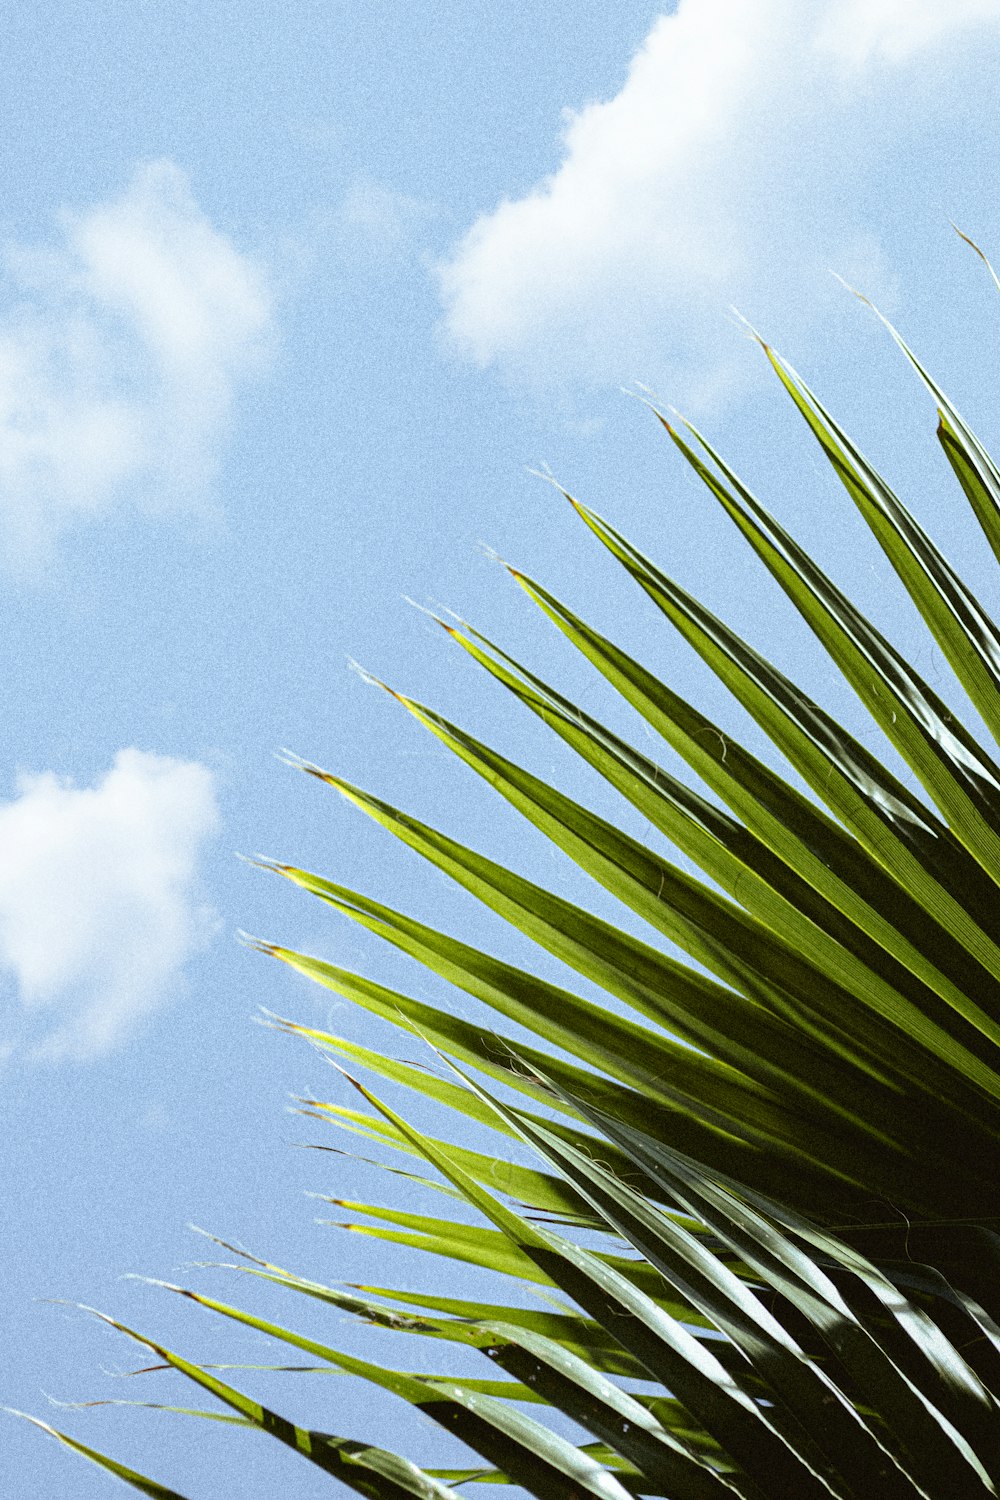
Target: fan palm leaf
x,y
709,1143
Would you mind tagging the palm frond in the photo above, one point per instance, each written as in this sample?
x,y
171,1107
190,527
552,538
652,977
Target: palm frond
x,y
763,1182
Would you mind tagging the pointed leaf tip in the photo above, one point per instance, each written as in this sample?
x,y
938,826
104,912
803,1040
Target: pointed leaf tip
x,y
982,255
852,289
257,945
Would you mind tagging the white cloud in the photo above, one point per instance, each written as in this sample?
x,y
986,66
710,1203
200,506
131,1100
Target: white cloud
x,y
97,904
860,30
753,144
120,354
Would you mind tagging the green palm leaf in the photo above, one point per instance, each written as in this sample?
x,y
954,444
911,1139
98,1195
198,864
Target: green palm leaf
x,y
764,1186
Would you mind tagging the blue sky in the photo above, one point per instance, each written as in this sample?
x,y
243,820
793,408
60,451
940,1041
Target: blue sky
x,y
291,299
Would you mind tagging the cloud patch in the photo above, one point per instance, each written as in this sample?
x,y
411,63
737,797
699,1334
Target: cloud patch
x,y
753,144
98,911
381,220
121,351
860,31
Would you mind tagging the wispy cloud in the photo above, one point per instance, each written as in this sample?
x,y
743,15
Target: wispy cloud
x,y
861,31
381,220
754,143
98,910
121,350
